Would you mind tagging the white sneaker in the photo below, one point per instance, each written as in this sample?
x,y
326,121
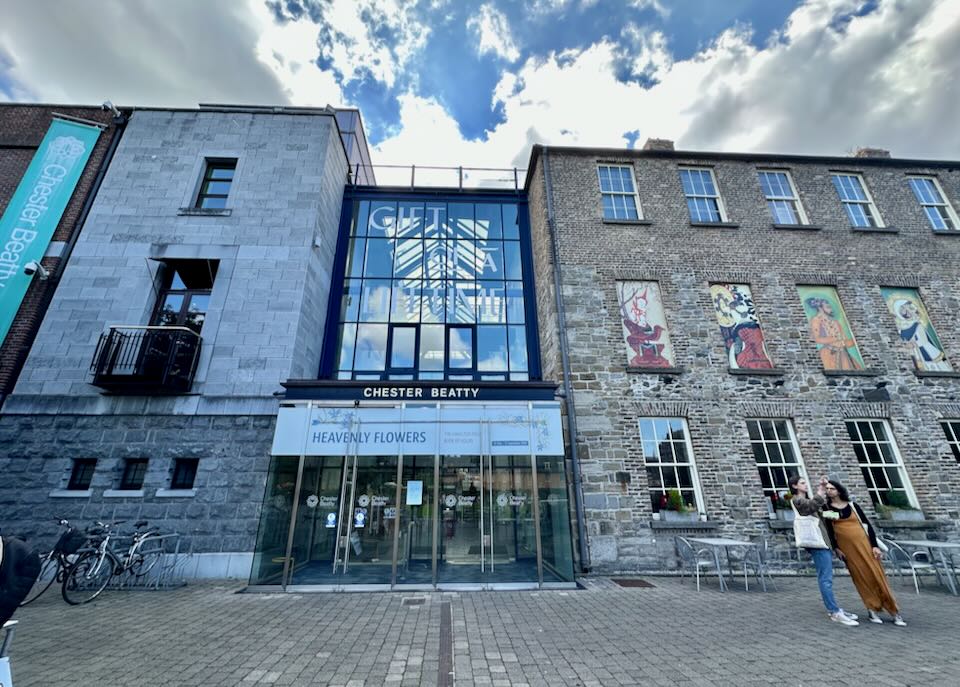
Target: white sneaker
x,y
899,621
852,616
843,619
874,618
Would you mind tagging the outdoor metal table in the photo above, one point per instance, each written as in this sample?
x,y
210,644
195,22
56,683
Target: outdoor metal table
x,y
717,543
937,549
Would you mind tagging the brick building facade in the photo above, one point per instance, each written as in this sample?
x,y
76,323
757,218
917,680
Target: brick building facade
x,y
661,244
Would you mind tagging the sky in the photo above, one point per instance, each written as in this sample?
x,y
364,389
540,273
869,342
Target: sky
x,y
450,82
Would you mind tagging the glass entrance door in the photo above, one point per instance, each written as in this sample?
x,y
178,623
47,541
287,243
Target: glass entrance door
x,y
460,552
415,550
314,534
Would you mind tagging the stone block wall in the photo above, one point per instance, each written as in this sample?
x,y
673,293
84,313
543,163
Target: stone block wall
x,y
684,260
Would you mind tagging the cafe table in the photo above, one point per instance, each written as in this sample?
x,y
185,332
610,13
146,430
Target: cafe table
x,y
942,550
749,547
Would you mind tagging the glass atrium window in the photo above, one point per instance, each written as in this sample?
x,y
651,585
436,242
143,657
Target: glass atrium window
x,y
433,290
781,197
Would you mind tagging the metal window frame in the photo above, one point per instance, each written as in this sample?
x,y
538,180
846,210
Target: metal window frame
x,y
718,198
177,462
795,199
898,465
692,464
133,464
790,439
211,164
944,201
635,194
78,467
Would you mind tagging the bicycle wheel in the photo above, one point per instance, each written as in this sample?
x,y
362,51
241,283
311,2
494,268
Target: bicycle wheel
x,y
87,578
146,561
49,566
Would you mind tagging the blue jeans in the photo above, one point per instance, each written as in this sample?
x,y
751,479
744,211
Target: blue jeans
x,y
823,560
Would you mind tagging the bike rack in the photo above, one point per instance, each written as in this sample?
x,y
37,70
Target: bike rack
x,y
166,574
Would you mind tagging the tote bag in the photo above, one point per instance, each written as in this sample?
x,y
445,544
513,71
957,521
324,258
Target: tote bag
x,y
807,532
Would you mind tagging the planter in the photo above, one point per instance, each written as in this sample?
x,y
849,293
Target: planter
x,y
786,515
674,516
904,514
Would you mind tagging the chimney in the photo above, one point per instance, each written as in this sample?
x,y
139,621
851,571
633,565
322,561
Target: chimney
x,y
871,152
658,144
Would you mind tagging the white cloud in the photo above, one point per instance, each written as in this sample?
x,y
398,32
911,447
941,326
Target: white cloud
x,y
174,53
887,80
493,33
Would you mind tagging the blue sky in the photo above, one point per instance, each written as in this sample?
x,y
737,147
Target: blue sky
x,y
477,83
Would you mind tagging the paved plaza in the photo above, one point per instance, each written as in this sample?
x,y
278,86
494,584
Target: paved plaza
x,y
668,634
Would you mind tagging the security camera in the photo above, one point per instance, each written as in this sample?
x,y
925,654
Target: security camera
x,y
33,267
107,105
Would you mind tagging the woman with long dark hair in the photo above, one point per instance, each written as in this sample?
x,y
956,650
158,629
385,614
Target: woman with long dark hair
x,y
804,504
855,541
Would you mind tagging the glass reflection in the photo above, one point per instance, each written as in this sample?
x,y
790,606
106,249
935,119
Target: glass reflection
x,y
491,349
375,300
371,347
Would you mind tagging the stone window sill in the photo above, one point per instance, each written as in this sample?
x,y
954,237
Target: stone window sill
x,y
71,493
780,524
204,212
656,370
769,372
636,222
676,525
910,524
851,373
718,225
175,493
123,494
875,230
953,374
798,227
940,232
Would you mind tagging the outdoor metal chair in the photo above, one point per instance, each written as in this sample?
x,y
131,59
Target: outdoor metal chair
x,y
900,560
760,565
692,558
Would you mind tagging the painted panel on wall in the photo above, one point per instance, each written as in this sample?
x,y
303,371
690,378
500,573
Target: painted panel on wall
x,y
644,325
917,334
830,329
740,327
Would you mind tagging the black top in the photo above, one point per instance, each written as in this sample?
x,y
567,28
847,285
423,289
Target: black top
x,y
848,513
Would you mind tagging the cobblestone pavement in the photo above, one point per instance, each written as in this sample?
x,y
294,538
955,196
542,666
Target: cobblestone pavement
x,y
207,634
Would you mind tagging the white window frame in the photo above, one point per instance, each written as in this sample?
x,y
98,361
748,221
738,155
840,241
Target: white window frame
x,y
794,199
871,207
718,198
692,463
951,427
791,438
872,489
635,194
944,202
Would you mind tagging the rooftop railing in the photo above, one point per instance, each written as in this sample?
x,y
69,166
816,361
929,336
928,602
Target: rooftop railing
x,y
429,176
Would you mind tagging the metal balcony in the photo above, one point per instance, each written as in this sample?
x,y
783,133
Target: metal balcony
x,y
146,360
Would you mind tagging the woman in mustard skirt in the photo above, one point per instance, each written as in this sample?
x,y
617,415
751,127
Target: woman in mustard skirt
x,y
859,550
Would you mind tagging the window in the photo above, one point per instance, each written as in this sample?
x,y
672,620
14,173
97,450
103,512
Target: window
x,y
777,454
185,293
134,470
880,463
215,187
618,191
433,290
184,473
82,474
952,429
938,210
856,200
781,197
703,198
668,457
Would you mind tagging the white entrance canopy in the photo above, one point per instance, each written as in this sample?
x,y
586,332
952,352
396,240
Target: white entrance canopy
x,y
496,429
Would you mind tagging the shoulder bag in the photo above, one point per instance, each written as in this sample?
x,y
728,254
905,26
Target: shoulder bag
x,y
866,529
807,532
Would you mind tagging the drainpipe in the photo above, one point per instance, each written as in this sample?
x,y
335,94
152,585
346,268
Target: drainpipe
x,y
565,357
120,123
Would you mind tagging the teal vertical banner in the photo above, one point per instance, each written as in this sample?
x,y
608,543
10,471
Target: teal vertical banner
x,y
35,210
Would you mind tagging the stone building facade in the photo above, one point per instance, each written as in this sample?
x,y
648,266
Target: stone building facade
x,y
255,268
627,527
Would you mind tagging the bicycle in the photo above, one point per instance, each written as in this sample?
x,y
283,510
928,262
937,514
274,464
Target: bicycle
x,y
95,567
55,564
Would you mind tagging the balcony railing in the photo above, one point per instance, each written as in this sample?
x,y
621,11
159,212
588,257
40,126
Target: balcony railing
x,y
146,360
425,176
